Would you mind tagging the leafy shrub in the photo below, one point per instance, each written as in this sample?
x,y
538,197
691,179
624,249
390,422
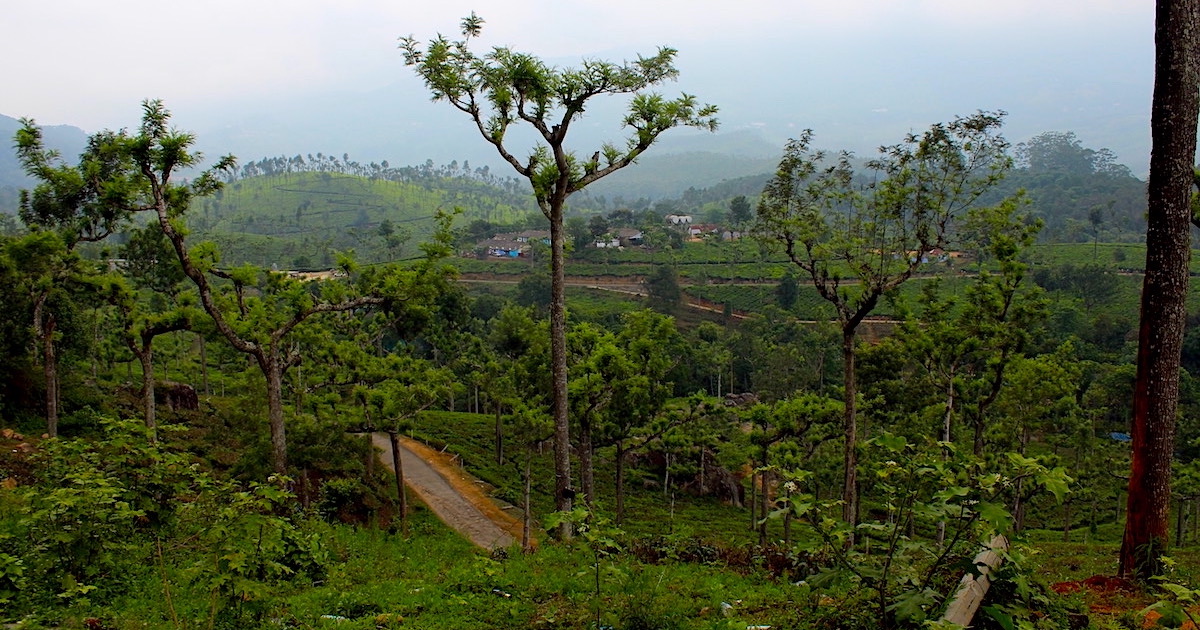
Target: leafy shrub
x,y
249,548
920,486
85,525
347,500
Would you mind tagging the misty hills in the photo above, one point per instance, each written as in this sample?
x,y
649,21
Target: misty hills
x,y
674,165
68,141
306,206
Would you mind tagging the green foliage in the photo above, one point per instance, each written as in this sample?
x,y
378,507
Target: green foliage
x,y
505,87
12,577
787,291
1082,194
813,211
662,289
1175,606
94,508
270,220
1018,600
917,486
249,550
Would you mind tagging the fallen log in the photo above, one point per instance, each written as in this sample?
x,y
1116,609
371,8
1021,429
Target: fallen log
x,y
974,585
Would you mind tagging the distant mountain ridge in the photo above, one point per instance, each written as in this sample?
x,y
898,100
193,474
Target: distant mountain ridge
x,y
670,175
67,140
685,170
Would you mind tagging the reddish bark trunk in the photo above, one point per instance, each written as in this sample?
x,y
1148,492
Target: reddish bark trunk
x,y
1163,310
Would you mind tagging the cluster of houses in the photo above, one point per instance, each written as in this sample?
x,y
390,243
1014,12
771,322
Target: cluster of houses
x,y
700,231
518,244
620,237
513,245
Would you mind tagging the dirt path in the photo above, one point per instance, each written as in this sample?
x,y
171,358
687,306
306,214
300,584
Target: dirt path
x,y
456,497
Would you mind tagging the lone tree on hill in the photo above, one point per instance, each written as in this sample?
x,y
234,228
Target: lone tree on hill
x,y
857,245
1173,121
503,88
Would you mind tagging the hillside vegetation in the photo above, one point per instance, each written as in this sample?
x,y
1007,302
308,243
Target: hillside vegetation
x,y
210,468
299,220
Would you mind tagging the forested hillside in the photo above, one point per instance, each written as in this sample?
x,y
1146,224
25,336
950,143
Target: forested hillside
x,y
184,423
1080,193
297,212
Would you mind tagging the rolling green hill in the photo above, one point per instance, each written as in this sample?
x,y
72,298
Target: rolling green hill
x,y
301,219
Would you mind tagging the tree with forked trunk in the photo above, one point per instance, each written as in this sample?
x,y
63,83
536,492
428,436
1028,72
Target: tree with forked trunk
x,y
505,88
857,241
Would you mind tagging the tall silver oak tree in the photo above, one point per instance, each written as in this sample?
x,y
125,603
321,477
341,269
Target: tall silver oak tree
x,y
259,314
504,88
857,237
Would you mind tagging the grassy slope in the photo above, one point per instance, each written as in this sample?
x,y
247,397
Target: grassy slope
x,y
276,219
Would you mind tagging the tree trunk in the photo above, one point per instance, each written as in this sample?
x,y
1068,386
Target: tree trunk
x,y
946,424
1019,507
753,502
499,434
1019,495
563,494
95,350
1181,511
620,483
146,356
369,464
203,363
274,372
401,493
850,425
50,374
587,478
766,508
1195,520
299,387
1174,112
526,519
667,475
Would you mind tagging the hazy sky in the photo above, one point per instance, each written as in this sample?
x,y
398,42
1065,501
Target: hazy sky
x,y
860,72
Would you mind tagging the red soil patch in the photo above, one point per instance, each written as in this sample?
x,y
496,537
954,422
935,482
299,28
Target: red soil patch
x,y
1111,596
1100,584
